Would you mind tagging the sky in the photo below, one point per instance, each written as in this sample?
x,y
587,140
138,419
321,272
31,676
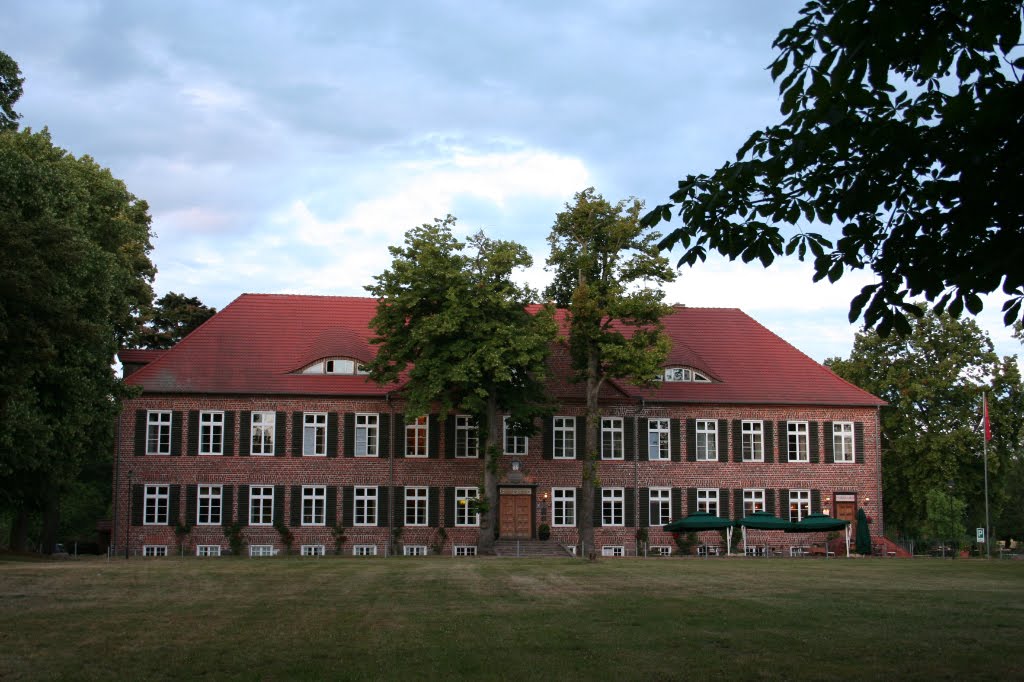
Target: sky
x,y
282,147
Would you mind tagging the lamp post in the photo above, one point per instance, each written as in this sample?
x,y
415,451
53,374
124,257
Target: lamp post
x,y
952,535
128,521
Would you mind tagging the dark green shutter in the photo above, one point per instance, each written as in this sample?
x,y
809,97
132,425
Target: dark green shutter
x,y
141,417
579,504
433,437
349,434
433,506
278,504
723,440
449,507
396,448
280,424
176,419
173,505
812,442
677,503
332,434
398,506
296,505
769,500
191,504
737,440
331,508
449,436
829,438
581,437
691,440
723,503
783,442
598,508
769,442
383,506
229,433
138,504
675,439
348,504
193,432
645,507
245,433
227,505
297,420
815,501
549,438
737,501
691,501
858,442
784,504
243,505
630,508
629,438
384,446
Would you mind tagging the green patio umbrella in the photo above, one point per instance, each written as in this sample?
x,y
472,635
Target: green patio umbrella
x,y
761,520
817,523
702,521
863,533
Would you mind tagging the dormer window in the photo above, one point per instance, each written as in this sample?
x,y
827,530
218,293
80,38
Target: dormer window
x,y
336,366
683,374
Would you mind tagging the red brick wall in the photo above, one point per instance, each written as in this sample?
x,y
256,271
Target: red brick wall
x,y
863,480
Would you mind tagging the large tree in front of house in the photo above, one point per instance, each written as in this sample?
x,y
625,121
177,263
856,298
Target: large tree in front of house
x,y
607,275
454,326
168,320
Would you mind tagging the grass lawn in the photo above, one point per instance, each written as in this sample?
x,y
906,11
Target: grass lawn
x,y
512,619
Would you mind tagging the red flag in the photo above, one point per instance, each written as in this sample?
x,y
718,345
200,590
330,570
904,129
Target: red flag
x,y
984,409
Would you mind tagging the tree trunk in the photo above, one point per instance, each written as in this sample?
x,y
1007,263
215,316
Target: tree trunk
x,y
591,434
489,522
19,531
51,520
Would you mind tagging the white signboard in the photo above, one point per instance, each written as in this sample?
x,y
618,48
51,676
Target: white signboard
x,y
981,535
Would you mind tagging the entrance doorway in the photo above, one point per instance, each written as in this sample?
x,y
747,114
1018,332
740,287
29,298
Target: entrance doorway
x,y
846,509
516,518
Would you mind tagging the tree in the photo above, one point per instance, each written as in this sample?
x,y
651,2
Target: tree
x,y
74,267
10,91
170,319
455,329
932,379
902,129
607,272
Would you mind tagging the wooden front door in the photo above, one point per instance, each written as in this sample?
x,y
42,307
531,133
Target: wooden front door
x,y
847,510
516,521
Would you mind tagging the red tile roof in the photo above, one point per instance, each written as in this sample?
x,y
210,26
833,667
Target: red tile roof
x,y
257,343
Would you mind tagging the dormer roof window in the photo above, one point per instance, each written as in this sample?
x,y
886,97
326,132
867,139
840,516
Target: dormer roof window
x,y
679,374
336,366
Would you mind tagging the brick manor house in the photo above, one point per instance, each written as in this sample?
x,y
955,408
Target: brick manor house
x,y
263,423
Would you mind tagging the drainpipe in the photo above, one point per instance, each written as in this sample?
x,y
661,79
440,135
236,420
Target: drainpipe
x,y
636,481
389,551
114,527
878,449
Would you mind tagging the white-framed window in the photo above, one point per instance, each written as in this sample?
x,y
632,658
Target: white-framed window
x,y
154,550
261,550
613,550
364,550
262,433
365,506
613,504
211,433
156,501
659,550
514,445
464,550
659,439
414,550
707,440
612,438
158,432
416,506
660,506
676,374
314,505
261,505
207,550
753,501
314,434
842,441
464,514
565,437
336,366
799,451
366,435
563,507
467,439
752,441
417,437
799,504
208,509
707,500
311,550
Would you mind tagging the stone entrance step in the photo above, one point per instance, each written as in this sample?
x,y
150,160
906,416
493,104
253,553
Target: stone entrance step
x,y
529,549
